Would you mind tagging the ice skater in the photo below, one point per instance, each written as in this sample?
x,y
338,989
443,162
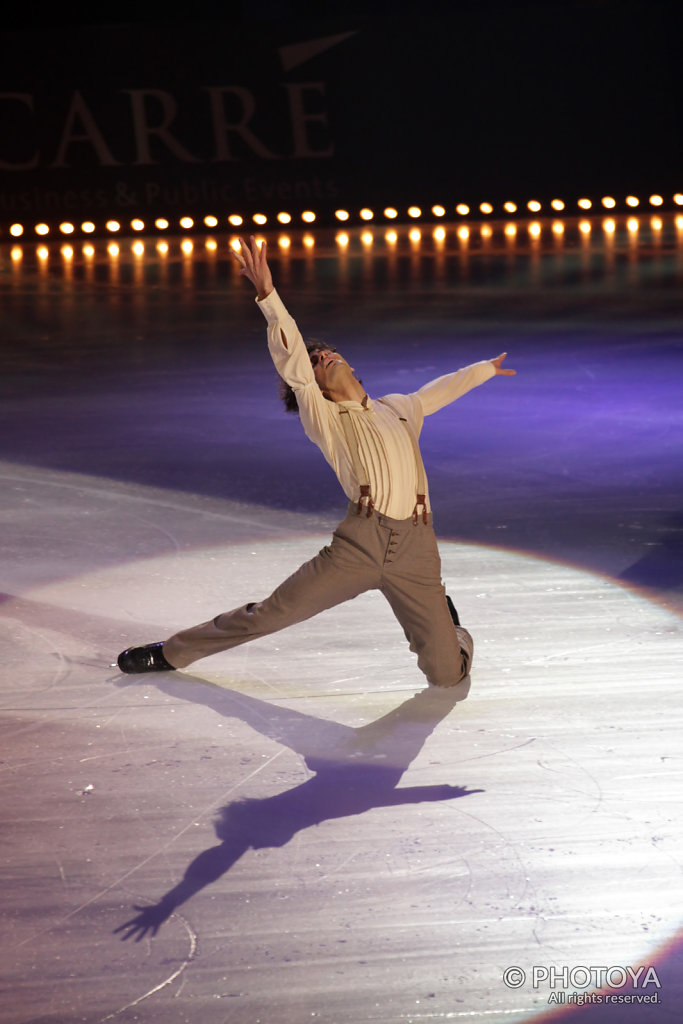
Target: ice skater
x,y
385,542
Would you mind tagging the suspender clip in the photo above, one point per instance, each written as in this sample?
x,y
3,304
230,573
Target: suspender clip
x,y
365,493
420,501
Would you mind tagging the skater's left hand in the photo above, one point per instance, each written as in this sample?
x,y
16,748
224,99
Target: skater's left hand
x,y
500,372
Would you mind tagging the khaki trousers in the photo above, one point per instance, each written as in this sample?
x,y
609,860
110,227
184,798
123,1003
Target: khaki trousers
x,y
397,557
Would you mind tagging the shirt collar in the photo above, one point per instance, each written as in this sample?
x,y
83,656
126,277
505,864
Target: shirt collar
x,y
366,405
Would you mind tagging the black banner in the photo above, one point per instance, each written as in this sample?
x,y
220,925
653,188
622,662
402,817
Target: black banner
x,y
495,104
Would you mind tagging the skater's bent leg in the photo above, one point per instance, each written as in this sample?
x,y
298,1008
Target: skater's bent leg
x,y
444,651
413,587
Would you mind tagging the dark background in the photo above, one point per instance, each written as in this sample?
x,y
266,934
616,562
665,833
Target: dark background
x,y
433,103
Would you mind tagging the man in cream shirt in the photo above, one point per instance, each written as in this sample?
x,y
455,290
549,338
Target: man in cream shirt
x,y
386,540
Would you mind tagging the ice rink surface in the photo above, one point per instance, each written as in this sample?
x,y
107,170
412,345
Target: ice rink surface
x,y
298,829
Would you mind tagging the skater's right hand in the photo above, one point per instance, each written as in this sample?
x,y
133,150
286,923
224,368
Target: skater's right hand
x,y
253,265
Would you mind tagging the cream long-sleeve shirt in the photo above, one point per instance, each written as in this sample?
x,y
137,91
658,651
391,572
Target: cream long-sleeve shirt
x,y
384,445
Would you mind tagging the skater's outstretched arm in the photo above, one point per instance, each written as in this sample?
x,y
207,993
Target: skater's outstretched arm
x,y
444,390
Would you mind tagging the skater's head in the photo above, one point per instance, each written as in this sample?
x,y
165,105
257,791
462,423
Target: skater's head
x,y
332,372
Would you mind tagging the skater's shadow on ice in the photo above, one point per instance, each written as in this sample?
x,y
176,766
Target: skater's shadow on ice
x,y
355,769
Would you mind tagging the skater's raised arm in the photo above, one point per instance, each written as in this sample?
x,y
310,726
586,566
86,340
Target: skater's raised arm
x,y
286,346
283,334
285,343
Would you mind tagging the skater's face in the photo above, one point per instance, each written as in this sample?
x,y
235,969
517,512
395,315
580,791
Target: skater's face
x,y
330,369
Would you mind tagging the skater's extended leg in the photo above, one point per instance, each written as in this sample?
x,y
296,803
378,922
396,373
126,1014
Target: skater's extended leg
x,y
339,572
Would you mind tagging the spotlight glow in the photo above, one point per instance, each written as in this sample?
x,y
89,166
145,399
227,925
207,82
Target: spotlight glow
x,y
87,227
235,244
211,245
211,221
161,223
463,209
390,213
392,237
235,220
486,231
186,223
17,253
656,200
43,252
463,233
609,202
535,229
367,238
632,201
557,204
342,214
510,207
485,208
558,227
439,234
656,223
260,218
162,248
138,249
284,218
585,227
366,214
414,212
113,225
510,230
309,241
284,241
113,249
414,235
534,205
137,224
632,224
678,199
605,610
584,204
439,211
67,228
186,247
609,226
16,230
42,229
342,239
308,216
67,252
89,251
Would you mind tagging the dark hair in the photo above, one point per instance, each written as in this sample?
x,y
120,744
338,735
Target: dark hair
x,y
286,392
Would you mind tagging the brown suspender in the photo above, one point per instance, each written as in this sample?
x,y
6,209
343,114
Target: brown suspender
x,y
421,477
361,473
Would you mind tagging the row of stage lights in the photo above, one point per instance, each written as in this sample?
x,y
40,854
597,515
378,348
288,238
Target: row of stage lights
x,y
367,238
365,215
